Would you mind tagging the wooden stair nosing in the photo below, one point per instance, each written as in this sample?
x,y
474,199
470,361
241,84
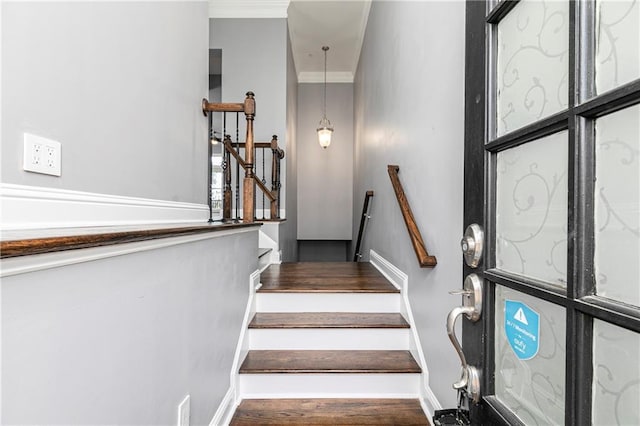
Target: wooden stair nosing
x,y
329,411
287,320
328,361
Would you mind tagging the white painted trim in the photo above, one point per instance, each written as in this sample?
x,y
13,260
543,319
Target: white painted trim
x,y
363,30
332,77
225,410
401,281
248,8
30,207
24,264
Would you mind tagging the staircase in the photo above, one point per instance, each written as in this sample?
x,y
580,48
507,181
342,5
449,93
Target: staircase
x,y
328,345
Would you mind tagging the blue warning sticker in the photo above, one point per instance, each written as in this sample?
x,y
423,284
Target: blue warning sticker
x,y
522,326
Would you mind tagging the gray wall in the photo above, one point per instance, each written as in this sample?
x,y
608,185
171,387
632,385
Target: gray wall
x,y
124,340
119,340
288,229
409,111
119,85
325,178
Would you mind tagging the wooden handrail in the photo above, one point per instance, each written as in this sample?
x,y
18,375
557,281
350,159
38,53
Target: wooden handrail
x,y
264,188
363,221
424,258
231,149
221,107
31,246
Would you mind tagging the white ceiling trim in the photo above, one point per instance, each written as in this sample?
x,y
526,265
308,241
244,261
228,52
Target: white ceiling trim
x,y
363,29
248,8
332,77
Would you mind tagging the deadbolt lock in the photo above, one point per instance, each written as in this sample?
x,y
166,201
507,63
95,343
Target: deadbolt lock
x,y
472,245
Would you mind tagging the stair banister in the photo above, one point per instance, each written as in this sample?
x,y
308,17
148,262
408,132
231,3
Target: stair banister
x,y
424,258
363,221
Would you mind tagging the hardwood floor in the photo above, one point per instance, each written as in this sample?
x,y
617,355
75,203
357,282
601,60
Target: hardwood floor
x,y
329,412
328,320
327,277
323,361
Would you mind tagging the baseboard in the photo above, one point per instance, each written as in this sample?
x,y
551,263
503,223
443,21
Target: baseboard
x,y
30,207
401,280
225,410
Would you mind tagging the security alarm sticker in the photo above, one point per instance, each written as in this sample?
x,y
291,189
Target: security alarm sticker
x,y
522,326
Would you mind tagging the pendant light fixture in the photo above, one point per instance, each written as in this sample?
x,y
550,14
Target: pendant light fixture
x,y
325,130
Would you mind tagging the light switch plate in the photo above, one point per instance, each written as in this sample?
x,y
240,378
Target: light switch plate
x,y
42,155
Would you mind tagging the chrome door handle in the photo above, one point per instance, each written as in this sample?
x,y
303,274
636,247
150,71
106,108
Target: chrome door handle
x,y
472,309
451,323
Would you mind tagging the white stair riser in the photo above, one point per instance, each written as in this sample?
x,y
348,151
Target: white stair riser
x,y
328,302
331,338
330,385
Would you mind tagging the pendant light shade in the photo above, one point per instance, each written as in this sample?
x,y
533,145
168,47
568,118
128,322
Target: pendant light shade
x,y
325,130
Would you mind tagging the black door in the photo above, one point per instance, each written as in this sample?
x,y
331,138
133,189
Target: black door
x,y
552,177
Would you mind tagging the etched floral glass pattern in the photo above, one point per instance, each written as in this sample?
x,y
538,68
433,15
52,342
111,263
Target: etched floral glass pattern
x,y
532,64
616,375
533,389
617,43
531,209
617,206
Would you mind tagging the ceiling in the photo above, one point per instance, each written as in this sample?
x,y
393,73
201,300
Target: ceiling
x,y
339,24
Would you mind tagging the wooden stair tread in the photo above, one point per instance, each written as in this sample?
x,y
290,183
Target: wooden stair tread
x,y
324,277
327,320
329,361
329,411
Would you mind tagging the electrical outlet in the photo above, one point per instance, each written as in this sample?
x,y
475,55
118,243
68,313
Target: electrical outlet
x,y
184,411
42,155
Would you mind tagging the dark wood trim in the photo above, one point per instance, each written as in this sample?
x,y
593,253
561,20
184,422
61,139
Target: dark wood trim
x,y
28,247
424,259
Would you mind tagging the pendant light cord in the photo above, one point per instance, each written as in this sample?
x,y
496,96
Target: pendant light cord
x,y
324,109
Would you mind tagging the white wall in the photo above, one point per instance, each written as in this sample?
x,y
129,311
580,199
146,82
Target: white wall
x,y
408,105
119,85
325,176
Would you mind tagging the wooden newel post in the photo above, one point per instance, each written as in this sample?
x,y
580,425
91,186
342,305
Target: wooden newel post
x,y
249,186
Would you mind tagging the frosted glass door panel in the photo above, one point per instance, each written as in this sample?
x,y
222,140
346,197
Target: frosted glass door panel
x,y
531,209
616,376
617,43
617,206
532,67
532,388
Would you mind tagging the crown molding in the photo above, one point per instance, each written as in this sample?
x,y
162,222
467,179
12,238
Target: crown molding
x,y
332,77
248,8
